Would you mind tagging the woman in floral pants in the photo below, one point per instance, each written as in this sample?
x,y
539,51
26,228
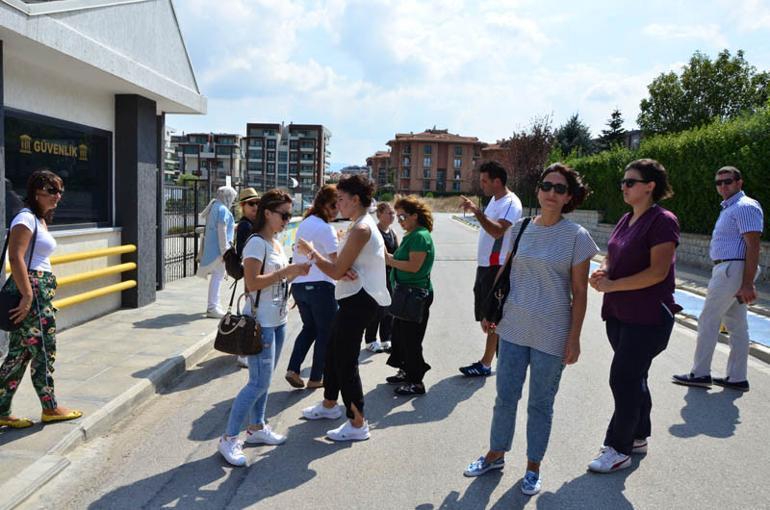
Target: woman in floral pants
x,y
35,340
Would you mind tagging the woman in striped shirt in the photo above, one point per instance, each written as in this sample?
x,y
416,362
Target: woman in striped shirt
x,y
542,319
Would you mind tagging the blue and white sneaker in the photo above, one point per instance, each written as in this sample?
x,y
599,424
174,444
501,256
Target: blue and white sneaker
x,y
476,370
481,466
531,483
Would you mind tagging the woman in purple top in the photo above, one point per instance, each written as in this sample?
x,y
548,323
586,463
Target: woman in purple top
x,y
637,278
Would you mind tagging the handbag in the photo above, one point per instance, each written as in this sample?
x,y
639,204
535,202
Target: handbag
x,y
237,332
408,303
10,299
233,263
495,300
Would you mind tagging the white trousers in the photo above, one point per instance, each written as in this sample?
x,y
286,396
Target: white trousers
x,y
721,306
215,283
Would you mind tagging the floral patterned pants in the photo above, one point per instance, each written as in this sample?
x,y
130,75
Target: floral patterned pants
x,y
35,341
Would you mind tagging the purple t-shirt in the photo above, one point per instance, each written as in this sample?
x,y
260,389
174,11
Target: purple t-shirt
x,y
629,251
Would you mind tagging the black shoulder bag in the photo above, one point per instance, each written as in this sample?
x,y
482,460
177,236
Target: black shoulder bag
x,y
493,304
10,299
239,333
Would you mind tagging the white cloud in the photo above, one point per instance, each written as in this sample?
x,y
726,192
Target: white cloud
x,y
709,33
749,15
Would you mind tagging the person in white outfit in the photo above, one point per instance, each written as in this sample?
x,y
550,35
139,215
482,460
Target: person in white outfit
x,y
217,237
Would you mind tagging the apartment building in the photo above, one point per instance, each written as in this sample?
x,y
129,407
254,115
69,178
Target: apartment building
x,y
434,161
279,156
379,168
210,156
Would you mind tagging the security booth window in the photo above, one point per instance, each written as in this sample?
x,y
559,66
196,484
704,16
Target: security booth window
x,y
80,155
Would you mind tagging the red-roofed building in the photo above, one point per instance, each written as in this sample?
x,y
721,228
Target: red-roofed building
x,y
379,168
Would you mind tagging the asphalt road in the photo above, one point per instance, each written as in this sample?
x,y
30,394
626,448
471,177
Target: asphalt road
x,y
708,449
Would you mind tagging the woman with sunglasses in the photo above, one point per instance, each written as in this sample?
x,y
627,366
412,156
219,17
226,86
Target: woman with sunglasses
x,y
267,273
361,290
637,278
542,320
217,237
412,263
314,293
35,340
248,200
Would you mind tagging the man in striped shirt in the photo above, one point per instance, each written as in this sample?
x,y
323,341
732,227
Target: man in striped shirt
x,y
734,249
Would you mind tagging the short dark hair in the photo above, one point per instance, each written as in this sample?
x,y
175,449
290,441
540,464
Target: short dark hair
x,y
731,169
576,188
653,171
358,185
41,179
495,171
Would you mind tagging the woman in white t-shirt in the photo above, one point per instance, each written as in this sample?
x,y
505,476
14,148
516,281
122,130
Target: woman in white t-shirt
x,y
268,290
29,249
314,293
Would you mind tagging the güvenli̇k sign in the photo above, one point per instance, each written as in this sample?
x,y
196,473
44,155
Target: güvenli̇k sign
x,y
29,145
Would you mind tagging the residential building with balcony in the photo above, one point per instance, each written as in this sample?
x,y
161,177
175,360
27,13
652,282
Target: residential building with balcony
x,y
274,154
379,168
434,161
210,156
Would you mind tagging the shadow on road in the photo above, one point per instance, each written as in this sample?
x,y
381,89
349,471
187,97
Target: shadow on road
x,y
437,404
708,413
589,490
169,320
204,372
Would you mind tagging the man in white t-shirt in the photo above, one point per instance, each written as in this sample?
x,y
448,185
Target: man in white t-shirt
x,y
504,209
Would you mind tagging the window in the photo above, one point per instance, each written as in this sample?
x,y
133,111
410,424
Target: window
x,y
294,144
456,186
458,163
407,149
80,155
407,161
458,151
405,173
271,168
271,155
426,184
294,156
427,149
271,144
458,175
426,173
283,156
427,162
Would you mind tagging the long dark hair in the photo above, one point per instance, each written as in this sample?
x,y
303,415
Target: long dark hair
x,y
39,180
325,196
269,202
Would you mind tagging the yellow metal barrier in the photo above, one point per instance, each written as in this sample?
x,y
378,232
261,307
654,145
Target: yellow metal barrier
x,y
93,294
85,255
91,275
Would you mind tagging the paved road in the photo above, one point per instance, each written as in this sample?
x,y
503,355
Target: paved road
x,y
709,448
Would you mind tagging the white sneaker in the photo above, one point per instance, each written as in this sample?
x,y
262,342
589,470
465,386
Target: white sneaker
x,y
232,451
243,361
374,346
264,436
216,313
347,432
640,446
609,460
319,412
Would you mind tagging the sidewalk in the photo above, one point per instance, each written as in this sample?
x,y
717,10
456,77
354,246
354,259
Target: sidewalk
x,y
106,367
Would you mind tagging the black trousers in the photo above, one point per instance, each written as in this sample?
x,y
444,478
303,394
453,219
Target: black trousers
x,y
383,320
341,368
406,353
635,347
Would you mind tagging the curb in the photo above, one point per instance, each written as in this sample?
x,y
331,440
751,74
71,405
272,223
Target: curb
x,y
27,482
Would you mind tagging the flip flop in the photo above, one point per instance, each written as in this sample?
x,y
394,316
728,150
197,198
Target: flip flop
x,y
18,423
52,418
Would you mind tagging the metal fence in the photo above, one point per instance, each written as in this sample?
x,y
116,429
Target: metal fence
x,y
180,219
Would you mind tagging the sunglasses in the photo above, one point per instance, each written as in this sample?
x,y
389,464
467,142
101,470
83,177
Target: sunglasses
x,y
726,182
629,183
401,217
52,190
253,203
285,216
559,188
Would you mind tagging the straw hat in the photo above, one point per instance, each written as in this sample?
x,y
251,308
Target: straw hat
x,y
247,194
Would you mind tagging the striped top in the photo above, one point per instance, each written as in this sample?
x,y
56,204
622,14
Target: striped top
x,y
538,310
740,215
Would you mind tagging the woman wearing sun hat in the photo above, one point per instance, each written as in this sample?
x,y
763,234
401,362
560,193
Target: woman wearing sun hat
x,y
248,200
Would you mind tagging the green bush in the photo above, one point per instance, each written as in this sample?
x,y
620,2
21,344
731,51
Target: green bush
x,y
386,197
691,159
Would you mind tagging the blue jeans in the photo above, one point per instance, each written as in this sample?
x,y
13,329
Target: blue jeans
x,y
544,376
317,307
252,399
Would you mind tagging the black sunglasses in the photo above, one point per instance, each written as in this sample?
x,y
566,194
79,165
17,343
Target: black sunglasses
x,y
629,183
285,216
253,203
401,217
726,182
52,190
559,188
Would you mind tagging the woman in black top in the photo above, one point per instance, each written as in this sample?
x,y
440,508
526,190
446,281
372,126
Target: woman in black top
x,y
248,200
385,217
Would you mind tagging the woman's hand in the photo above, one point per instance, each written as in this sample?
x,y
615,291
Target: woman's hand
x,y
294,270
349,276
20,312
306,248
599,273
487,327
572,351
388,259
603,284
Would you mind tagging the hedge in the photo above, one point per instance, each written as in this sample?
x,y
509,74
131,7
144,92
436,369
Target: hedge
x,y
691,159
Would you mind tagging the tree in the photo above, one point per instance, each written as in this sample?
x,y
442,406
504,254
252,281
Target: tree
x,y
526,153
574,136
706,90
615,135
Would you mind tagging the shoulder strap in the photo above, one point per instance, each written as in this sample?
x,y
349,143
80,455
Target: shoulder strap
x,y
509,259
8,238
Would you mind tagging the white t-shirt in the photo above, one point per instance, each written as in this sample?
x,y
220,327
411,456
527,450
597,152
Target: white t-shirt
x,y
491,251
324,239
44,245
271,309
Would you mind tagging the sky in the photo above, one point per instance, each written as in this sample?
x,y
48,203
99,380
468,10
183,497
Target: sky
x,y
367,69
